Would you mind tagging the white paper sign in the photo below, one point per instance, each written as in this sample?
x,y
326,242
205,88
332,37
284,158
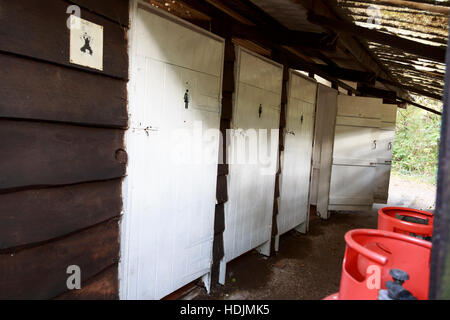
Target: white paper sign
x,y
86,43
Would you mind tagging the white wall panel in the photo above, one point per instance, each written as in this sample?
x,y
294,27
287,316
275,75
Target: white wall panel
x,y
257,101
297,154
170,189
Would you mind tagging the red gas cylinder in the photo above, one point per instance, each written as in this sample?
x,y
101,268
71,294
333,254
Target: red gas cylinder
x,y
407,221
371,255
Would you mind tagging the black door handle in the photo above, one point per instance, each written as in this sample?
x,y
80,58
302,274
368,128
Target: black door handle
x,y
186,99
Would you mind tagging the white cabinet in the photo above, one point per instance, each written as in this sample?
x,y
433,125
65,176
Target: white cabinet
x,y
297,154
173,141
355,153
326,109
252,155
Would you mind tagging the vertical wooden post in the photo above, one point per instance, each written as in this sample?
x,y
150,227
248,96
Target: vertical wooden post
x,y
220,26
440,256
284,101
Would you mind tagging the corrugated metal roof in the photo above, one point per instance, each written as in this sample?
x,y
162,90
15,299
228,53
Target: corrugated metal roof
x,y
405,19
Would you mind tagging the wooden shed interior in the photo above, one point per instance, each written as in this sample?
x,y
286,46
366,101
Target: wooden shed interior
x,y
64,154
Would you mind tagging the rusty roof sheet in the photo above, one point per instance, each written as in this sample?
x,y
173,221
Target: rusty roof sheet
x,y
411,22
423,21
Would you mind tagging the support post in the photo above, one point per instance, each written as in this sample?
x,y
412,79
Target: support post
x,y
440,255
218,267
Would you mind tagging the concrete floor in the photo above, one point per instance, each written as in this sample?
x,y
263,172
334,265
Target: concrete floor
x,y
308,266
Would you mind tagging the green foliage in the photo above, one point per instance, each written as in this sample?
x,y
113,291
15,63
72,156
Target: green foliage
x,y
417,137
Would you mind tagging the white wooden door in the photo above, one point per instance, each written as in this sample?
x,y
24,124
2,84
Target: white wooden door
x,y
385,149
297,154
326,110
252,155
175,92
355,153
382,180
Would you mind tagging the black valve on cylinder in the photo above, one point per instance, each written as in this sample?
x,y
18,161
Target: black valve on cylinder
x,y
395,289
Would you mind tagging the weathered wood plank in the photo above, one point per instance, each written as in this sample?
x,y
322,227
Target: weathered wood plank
x,y
44,91
104,286
116,10
219,221
221,190
40,272
38,29
227,105
43,154
223,167
25,215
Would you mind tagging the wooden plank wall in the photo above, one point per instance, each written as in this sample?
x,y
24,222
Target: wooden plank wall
x,y
63,158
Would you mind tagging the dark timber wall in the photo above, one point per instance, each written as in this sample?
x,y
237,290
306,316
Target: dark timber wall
x,y
219,27
61,147
284,101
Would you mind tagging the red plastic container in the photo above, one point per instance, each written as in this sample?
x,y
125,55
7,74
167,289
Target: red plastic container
x,y
390,219
368,250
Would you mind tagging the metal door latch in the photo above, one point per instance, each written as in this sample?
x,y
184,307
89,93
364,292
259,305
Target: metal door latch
x,y
186,99
260,110
374,144
290,132
390,146
301,119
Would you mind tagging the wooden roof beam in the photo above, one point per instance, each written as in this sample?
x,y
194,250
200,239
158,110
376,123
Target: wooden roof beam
x,y
376,92
411,89
391,96
429,52
348,74
415,104
323,42
296,62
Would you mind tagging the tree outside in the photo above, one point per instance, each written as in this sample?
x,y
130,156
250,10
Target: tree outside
x,y
416,144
